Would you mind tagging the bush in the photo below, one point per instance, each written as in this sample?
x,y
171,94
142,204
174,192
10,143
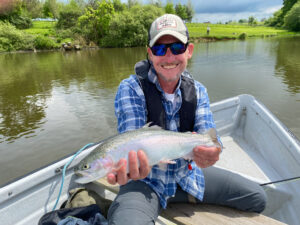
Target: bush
x,y
242,36
44,43
12,39
292,18
20,21
130,28
68,19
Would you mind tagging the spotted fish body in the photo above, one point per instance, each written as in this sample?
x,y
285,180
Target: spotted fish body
x,y
158,144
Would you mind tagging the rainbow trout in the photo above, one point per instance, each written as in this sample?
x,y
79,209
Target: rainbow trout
x,y
160,146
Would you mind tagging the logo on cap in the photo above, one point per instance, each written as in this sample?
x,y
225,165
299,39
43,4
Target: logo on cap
x,y
166,23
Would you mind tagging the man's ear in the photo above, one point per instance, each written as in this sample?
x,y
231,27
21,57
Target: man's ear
x,y
190,50
150,55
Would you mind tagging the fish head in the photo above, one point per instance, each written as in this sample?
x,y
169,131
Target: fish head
x,y
93,170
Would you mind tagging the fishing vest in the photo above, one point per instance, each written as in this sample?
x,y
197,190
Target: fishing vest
x,y
156,112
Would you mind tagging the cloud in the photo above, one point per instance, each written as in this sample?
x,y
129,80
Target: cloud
x,y
230,6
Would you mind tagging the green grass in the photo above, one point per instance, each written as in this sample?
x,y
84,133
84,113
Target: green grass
x,y
222,31
42,27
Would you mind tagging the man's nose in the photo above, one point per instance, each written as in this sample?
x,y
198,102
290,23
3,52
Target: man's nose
x,y
169,54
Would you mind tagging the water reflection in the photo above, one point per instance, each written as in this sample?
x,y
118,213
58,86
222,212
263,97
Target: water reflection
x,y
27,82
288,63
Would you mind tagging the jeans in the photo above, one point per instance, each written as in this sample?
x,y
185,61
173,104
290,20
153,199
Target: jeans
x,y
138,204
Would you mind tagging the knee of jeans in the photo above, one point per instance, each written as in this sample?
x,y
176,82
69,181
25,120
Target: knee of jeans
x,y
259,201
130,216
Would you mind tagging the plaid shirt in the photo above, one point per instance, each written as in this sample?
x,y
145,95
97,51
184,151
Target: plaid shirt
x,y
131,112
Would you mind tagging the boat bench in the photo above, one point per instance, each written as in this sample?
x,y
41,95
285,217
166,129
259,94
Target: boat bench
x,y
195,214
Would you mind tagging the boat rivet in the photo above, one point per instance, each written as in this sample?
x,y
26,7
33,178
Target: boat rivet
x,y
10,193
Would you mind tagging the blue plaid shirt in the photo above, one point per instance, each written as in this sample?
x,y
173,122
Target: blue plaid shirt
x,y
131,112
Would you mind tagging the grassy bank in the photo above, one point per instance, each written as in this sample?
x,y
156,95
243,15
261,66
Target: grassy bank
x,y
228,31
197,31
43,35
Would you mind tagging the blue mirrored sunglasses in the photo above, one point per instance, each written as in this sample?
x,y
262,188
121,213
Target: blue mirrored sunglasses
x,y
176,48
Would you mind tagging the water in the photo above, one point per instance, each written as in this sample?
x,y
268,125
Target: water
x,y
53,103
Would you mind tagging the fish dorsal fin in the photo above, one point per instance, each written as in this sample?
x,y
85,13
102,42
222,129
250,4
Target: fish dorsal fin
x,y
152,127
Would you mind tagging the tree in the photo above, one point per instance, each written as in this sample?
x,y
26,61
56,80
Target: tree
x,y
278,17
95,22
189,11
33,7
292,18
131,3
119,6
130,28
7,6
252,21
169,8
181,11
243,20
51,9
14,13
69,15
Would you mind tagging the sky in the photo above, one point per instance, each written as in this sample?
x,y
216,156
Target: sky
x,y
224,10
216,11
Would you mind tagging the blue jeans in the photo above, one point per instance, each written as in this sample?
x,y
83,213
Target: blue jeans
x,y
138,204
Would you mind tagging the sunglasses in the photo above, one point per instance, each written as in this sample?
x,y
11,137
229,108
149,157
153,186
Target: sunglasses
x,y
176,48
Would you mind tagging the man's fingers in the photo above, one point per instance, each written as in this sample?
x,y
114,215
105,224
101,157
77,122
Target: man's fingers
x,y
111,178
144,164
133,166
122,172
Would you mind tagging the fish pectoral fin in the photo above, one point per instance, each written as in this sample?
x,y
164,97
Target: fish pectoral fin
x,y
166,161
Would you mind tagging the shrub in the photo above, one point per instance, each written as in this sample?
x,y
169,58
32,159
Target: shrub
x,y
130,28
242,36
68,19
44,43
12,39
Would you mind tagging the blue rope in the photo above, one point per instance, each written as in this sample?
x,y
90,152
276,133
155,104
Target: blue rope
x,y
64,172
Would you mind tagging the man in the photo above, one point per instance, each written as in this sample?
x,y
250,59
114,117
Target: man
x,y
163,92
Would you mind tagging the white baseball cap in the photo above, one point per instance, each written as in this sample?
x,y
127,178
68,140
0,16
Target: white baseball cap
x,y
168,24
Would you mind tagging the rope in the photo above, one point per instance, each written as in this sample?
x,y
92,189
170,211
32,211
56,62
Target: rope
x,y
64,172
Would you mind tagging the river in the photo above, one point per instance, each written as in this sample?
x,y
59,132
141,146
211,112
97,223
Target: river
x,y
53,103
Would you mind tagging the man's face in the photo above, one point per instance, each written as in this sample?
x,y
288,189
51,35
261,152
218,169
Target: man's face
x,y
169,67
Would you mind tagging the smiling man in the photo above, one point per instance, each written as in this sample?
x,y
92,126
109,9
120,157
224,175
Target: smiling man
x,y
163,92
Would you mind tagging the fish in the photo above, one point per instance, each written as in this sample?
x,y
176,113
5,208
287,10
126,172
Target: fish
x,y
161,147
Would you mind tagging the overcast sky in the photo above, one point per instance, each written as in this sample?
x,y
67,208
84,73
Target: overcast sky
x,y
225,10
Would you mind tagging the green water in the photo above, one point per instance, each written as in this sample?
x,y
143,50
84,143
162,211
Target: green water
x,y
53,103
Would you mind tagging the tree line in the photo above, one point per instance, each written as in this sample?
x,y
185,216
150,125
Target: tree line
x,y
287,17
106,23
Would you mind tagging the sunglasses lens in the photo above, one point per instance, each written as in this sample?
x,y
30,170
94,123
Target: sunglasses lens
x,y
178,48
159,50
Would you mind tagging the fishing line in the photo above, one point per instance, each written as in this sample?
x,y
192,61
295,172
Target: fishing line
x,y
64,172
281,181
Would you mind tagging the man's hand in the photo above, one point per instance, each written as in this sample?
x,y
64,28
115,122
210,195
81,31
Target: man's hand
x,y
136,172
206,156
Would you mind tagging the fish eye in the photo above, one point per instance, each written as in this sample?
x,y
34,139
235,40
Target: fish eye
x,y
86,166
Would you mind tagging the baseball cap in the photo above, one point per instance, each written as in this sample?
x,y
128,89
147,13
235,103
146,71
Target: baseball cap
x,y
168,24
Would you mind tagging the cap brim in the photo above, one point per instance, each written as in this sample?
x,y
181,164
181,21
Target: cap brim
x,y
179,36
